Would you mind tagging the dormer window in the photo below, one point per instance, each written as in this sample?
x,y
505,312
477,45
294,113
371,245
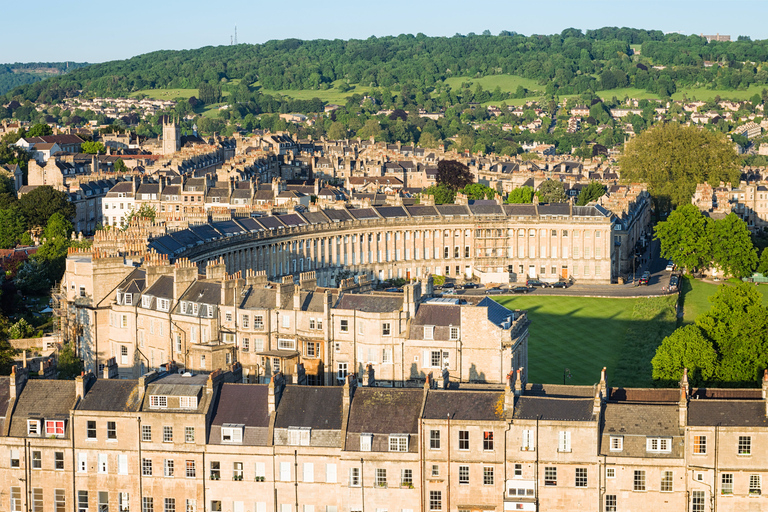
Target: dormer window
x,y
429,332
128,299
232,433
54,428
163,304
158,401
195,308
299,436
33,427
183,307
398,442
146,301
188,402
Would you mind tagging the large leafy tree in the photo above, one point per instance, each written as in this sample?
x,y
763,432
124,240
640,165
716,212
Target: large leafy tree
x,y
672,159
728,345
479,191
442,193
551,191
762,266
41,203
732,248
519,195
12,226
92,148
684,237
687,347
592,192
453,174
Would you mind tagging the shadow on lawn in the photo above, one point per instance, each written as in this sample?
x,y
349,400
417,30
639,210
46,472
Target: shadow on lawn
x,y
624,345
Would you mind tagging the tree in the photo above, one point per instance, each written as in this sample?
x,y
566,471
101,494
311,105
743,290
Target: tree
x,y
684,237
21,329
551,191
40,130
12,226
762,266
120,166
732,248
519,195
337,131
478,191
686,347
69,364
453,174
32,278
591,192
443,194
672,159
91,148
41,203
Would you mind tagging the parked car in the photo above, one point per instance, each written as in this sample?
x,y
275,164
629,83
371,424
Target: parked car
x,y
674,282
522,289
469,286
535,282
645,278
494,291
448,286
560,284
670,266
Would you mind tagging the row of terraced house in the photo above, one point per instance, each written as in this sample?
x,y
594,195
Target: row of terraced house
x,y
171,441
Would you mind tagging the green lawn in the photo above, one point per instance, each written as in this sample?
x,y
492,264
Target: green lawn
x,y
630,92
703,94
507,83
695,297
584,334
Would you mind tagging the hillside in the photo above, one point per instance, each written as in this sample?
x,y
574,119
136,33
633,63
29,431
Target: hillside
x,y
568,63
17,74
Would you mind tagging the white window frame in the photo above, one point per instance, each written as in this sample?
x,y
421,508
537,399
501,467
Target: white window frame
x,y
398,442
232,433
366,442
158,402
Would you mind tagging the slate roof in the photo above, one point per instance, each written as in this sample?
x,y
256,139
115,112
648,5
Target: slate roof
x,y
316,217
555,209
259,298
553,409
641,419
371,303
244,404
390,212
496,312
486,209
115,395
162,288
644,395
727,413
317,407
464,405
5,397
522,210
437,315
337,215
203,292
452,209
363,213
422,211
42,399
559,391
385,411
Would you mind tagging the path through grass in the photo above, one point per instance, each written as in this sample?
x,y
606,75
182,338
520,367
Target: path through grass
x,y
584,334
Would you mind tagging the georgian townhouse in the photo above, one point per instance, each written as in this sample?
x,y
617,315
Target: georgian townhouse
x,y
106,435
173,421
379,463
239,473
727,448
553,444
307,441
642,450
479,342
37,456
462,442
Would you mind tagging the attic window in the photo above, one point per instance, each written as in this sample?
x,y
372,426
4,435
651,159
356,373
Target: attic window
x,y
365,442
54,428
429,332
299,436
33,427
232,433
146,301
163,304
398,442
188,402
158,401
128,299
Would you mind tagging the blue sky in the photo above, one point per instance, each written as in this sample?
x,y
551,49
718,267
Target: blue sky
x,y
52,31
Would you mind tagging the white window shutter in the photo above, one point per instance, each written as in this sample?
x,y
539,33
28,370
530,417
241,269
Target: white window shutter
x,y
122,464
330,473
309,472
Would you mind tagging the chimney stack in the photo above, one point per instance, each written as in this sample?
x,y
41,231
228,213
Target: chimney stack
x,y
519,382
682,405
509,396
271,403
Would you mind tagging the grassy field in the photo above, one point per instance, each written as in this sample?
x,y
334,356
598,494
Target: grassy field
x,y
703,94
585,334
695,296
507,83
630,92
